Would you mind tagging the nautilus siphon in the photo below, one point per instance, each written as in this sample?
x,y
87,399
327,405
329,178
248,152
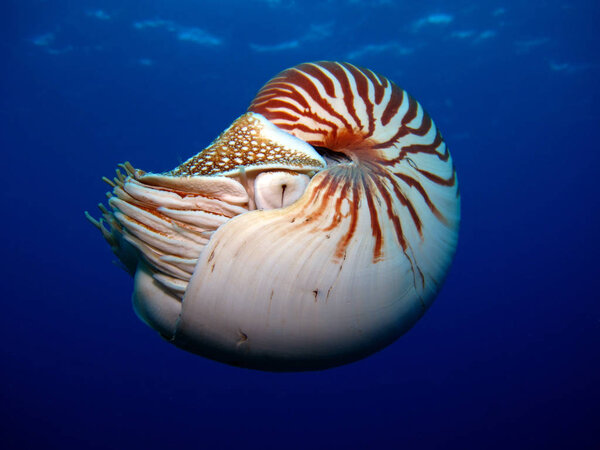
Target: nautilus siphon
x,y
312,232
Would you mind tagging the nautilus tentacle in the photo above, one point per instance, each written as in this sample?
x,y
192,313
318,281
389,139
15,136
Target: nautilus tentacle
x,y
314,231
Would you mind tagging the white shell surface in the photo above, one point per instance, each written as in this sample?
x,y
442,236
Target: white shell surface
x,y
300,305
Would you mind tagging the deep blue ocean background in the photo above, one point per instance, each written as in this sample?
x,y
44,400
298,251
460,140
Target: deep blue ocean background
x,y
507,357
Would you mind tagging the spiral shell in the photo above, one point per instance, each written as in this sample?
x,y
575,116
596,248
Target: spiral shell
x,y
314,231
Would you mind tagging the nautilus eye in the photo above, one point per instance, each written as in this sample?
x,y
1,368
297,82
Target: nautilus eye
x,y
278,189
314,231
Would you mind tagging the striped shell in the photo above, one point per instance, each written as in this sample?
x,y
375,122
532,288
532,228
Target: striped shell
x,y
314,231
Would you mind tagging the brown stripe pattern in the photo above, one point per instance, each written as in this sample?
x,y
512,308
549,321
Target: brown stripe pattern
x,y
397,162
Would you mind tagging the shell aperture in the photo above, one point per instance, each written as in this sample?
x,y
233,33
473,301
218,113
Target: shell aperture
x,y
314,231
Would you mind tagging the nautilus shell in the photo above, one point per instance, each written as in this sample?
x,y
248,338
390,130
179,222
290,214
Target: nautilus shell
x,y
314,231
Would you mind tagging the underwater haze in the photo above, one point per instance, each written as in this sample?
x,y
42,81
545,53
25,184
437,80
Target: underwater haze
x,y
508,356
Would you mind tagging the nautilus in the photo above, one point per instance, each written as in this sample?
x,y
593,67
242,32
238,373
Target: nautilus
x,y
313,232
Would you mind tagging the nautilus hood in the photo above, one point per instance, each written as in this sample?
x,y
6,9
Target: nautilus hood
x,y
314,231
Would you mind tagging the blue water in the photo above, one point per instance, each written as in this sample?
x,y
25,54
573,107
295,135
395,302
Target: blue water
x,y
507,357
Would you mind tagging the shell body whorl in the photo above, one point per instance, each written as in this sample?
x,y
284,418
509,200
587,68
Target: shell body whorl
x,y
314,231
